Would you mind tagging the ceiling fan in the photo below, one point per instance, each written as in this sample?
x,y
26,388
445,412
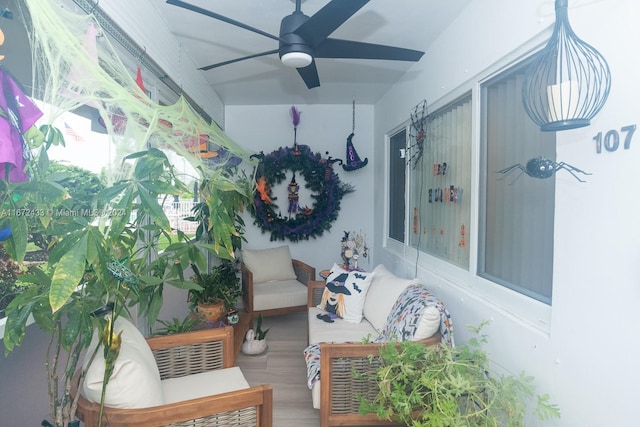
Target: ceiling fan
x,y
303,38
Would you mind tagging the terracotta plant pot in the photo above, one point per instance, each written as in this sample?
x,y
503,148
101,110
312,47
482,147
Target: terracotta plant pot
x,y
212,311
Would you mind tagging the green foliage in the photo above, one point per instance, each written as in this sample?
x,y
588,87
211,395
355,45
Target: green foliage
x,y
69,329
221,283
177,326
96,257
9,286
218,214
260,334
440,386
81,185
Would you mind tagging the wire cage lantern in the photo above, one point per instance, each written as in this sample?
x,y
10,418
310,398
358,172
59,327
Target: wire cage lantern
x,y
568,81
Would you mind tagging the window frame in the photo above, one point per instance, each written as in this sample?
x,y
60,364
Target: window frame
x,y
391,244
436,272
529,186
405,184
442,112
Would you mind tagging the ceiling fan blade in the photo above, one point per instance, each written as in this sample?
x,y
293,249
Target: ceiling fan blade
x,y
310,75
336,48
324,22
231,61
219,17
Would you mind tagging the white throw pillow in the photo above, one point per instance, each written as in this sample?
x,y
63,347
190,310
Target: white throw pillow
x,y
429,323
414,316
385,289
345,292
269,265
135,382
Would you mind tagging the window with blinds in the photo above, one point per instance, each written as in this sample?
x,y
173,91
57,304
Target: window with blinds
x,y
516,210
441,185
397,185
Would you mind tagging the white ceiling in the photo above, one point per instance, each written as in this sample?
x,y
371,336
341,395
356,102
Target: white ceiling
x,y
412,24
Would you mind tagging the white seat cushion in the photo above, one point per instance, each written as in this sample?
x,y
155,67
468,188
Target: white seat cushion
x,y
286,293
135,381
383,292
339,331
204,384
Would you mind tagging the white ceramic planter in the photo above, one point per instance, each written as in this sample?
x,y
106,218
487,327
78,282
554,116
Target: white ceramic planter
x,y
252,346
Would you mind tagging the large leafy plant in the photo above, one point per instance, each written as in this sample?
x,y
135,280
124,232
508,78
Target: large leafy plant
x,y
440,386
95,257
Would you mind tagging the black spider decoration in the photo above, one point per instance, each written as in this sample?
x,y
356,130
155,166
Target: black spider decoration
x,y
417,133
542,168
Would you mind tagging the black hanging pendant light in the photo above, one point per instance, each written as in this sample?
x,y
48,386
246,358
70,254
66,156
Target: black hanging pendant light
x,y
568,81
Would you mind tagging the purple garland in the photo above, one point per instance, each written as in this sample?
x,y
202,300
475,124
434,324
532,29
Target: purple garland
x,y
320,179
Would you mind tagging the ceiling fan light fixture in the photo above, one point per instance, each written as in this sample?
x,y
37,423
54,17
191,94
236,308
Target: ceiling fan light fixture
x,y
296,59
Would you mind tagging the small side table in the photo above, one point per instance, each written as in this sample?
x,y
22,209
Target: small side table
x,y
239,330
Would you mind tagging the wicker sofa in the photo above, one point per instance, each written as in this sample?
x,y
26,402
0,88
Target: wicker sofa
x,y
339,348
183,379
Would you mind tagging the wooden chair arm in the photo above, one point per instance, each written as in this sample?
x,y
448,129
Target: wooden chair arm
x,y
359,350
304,272
315,288
260,398
247,287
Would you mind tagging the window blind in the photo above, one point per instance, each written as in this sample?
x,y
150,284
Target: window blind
x,y
440,188
516,236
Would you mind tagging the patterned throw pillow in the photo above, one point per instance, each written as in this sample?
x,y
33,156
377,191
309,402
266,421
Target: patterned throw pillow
x,y
344,294
416,314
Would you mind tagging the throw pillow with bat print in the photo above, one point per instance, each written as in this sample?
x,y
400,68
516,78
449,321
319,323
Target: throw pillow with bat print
x,y
345,292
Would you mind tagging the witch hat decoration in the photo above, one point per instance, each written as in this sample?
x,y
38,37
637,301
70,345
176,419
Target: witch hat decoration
x,y
353,160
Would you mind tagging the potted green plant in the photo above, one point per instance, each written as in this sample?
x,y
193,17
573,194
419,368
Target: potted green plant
x,y
176,326
217,292
91,263
255,342
107,252
450,386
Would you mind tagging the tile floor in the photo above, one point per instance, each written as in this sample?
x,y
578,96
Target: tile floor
x,y
283,367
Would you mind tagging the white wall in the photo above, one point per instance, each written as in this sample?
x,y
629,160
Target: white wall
x,y
323,128
586,355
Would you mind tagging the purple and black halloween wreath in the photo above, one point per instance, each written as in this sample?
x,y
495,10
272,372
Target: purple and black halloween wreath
x,y
321,181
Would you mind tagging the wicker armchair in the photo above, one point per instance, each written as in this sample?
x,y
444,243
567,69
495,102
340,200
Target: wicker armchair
x,y
181,355
340,388
304,273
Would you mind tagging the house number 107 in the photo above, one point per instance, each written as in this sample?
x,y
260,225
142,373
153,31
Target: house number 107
x,y
611,139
